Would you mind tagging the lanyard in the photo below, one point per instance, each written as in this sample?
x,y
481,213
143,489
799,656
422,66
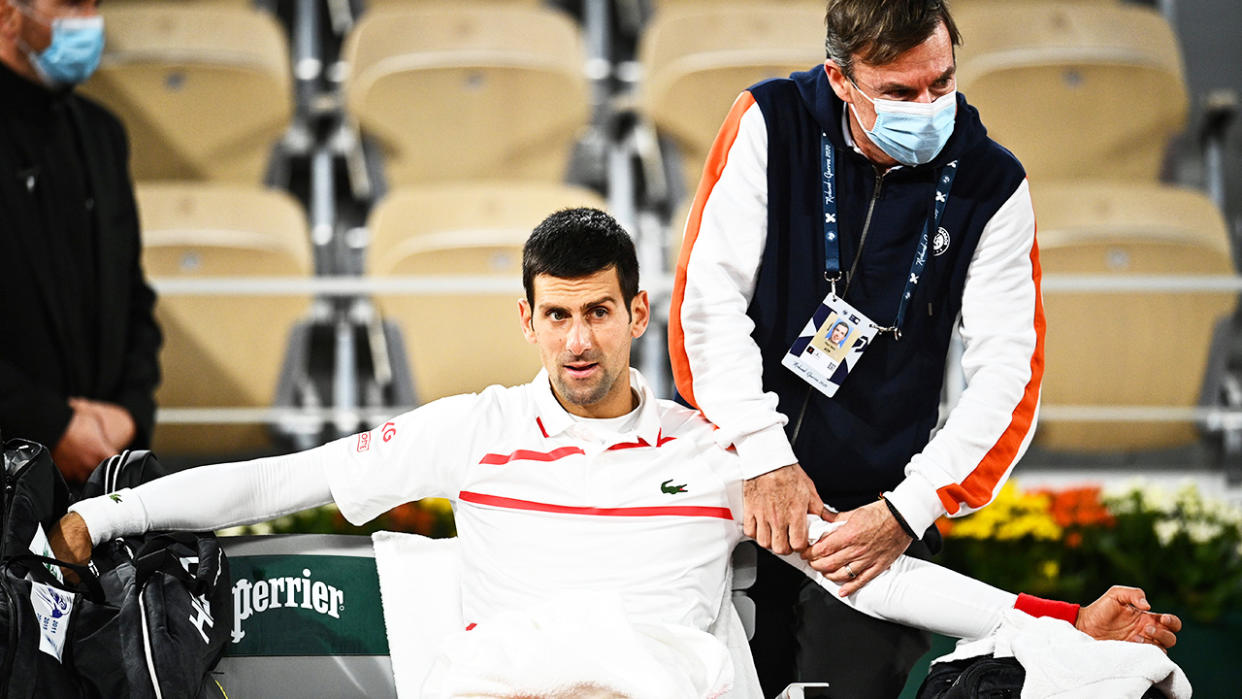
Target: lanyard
x,y
832,243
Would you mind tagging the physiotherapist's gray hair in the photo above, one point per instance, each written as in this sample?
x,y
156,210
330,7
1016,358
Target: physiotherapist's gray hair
x,y
878,31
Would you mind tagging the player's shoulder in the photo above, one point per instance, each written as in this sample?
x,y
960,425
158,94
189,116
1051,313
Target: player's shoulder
x,y
493,405
676,420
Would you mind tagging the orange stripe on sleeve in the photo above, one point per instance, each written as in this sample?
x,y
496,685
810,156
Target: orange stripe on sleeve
x,y
976,489
717,158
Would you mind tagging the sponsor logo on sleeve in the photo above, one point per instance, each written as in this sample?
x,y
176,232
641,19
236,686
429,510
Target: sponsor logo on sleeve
x,y
364,442
388,431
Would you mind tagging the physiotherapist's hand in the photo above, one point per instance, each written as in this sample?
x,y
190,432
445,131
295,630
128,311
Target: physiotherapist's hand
x,y
776,505
865,546
117,424
1123,614
70,542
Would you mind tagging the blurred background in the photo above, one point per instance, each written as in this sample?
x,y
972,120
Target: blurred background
x,y
334,195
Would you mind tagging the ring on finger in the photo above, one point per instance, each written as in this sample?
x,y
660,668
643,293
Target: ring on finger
x,y
850,571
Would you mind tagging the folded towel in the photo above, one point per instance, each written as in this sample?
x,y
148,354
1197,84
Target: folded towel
x,y
420,588
1061,662
580,641
575,641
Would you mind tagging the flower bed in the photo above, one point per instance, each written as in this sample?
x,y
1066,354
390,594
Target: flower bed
x,y
1183,549
431,517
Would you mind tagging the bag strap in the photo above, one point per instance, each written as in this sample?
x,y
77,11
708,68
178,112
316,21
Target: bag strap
x,y
33,563
158,554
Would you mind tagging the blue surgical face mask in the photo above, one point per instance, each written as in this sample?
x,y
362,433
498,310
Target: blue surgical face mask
x,y
71,58
912,133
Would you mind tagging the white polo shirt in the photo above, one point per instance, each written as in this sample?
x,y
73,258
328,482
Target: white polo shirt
x,y
550,505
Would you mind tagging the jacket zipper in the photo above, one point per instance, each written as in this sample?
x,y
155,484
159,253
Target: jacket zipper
x,y
875,197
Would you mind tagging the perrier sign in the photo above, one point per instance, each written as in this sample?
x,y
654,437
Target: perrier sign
x,y
293,604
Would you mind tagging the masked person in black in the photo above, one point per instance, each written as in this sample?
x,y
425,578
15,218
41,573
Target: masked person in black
x,y
78,363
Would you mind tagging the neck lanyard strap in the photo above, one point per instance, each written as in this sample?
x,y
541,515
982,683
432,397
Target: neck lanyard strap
x,y
832,246
832,243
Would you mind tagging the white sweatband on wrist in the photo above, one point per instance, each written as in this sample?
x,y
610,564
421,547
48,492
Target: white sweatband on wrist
x,y
113,515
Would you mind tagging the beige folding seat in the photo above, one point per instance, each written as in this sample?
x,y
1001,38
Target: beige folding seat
x,y
221,351
1127,348
468,91
463,342
697,57
1074,90
203,88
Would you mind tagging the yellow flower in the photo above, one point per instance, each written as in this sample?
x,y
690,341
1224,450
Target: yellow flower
x,y
1050,569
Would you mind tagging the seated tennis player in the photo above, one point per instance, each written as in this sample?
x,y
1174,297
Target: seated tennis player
x,y
595,520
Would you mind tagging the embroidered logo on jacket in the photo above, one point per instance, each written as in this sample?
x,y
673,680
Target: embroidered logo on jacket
x,y
940,243
672,489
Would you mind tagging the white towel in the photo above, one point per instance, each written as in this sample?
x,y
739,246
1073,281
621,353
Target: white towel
x,y
574,640
420,588
1061,662
583,640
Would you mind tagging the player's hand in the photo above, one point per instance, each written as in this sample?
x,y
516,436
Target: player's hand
x,y
776,506
81,447
865,546
70,542
1123,614
118,425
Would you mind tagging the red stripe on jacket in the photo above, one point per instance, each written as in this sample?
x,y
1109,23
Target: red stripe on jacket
x,y
717,158
976,489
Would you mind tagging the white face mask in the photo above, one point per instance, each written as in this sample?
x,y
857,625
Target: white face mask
x,y
912,133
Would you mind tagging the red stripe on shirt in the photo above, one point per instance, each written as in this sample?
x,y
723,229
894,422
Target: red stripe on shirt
x,y
976,489
717,158
528,455
656,511
661,440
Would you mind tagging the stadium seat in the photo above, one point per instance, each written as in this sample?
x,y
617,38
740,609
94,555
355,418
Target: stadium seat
x,y
460,343
221,351
1074,90
468,91
697,57
203,88
1127,348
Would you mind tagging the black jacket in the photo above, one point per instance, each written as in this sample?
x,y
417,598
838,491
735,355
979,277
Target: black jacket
x,y
75,320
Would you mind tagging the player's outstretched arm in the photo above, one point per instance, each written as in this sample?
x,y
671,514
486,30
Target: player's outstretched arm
x,y
199,499
928,596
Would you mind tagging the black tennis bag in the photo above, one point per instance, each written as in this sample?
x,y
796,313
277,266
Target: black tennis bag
x,y
984,677
150,616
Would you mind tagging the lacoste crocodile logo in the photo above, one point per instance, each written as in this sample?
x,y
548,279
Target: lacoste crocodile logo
x,y
672,489
114,497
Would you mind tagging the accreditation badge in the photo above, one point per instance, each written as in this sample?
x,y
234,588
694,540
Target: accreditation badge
x,y
830,345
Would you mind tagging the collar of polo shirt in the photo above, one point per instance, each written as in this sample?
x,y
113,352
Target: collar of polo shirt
x,y
554,419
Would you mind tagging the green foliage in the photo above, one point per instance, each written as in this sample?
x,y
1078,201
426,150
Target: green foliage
x,y
1183,549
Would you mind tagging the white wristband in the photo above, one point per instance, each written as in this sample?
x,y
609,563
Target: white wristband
x,y
110,516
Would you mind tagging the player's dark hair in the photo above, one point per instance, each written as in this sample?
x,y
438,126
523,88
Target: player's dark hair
x,y
575,243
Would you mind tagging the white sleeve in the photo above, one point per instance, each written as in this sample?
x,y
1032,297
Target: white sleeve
x,y
716,364
924,595
1002,326
420,454
211,497
415,455
919,593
